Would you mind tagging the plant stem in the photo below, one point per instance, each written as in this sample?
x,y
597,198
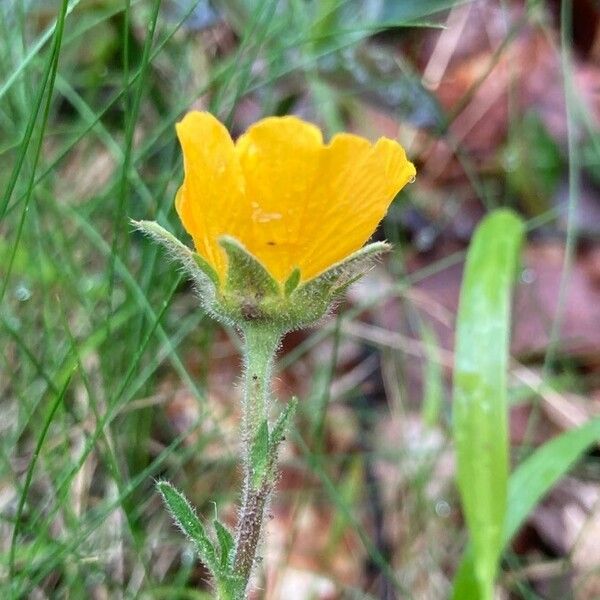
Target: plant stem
x,y
260,345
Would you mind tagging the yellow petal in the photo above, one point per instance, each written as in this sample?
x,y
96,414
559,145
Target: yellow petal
x,y
292,201
355,185
280,158
210,202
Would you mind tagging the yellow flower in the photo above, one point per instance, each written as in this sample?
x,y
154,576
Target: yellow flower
x,y
290,199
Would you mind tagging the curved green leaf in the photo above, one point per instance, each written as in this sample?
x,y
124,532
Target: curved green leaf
x,y
480,373
183,514
530,482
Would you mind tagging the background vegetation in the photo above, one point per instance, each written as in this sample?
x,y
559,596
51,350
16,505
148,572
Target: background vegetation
x,y
111,376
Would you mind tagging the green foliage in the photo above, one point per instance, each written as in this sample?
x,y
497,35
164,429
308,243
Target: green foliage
x,y
227,545
259,455
220,563
529,483
480,387
263,453
533,164
190,524
282,426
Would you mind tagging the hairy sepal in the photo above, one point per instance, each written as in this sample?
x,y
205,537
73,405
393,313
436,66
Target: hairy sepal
x,y
314,298
203,275
251,295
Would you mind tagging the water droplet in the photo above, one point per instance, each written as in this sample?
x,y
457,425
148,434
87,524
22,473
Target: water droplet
x,y
188,556
528,276
22,293
442,509
425,239
412,179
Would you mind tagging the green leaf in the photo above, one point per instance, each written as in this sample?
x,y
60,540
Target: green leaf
x,y
226,543
530,482
281,426
480,387
185,517
533,478
259,455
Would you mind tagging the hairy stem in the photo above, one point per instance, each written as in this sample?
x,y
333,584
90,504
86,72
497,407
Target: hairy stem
x,y
259,350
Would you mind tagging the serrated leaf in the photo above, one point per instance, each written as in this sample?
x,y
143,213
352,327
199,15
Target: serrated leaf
x,y
185,517
226,543
259,455
480,387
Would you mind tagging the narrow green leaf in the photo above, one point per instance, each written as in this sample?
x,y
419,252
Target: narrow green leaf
x,y
185,517
282,425
533,478
226,544
58,400
480,387
259,455
530,482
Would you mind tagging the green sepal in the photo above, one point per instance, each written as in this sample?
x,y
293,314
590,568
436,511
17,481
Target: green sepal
x,y
342,274
314,298
226,543
244,272
249,286
192,262
291,283
250,295
259,455
184,516
206,268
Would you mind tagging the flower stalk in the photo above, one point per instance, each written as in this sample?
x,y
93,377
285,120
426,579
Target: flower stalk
x,y
260,345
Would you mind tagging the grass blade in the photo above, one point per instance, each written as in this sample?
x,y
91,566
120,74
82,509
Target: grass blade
x,y
480,403
28,478
530,482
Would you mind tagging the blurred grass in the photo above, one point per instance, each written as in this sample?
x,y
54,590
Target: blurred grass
x,y
95,323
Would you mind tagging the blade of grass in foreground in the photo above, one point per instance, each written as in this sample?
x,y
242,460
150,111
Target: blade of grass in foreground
x,y
530,482
480,396
28,478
